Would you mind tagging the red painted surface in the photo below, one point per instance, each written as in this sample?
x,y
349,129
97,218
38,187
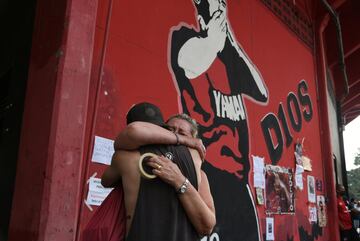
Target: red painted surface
x,y
48,182
136,68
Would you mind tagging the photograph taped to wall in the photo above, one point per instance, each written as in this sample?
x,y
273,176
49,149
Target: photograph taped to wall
x,y
311,189
259,196
279,190
312,214
321,210
299,181
298,153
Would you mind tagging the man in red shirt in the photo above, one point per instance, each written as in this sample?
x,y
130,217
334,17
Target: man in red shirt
x,y
347,231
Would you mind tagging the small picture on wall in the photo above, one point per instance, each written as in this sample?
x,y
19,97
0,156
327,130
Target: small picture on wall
x,y
321,206
279,190
311,189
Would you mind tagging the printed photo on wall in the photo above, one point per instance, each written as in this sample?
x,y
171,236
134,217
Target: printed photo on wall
x,y
311,189
321,210
279,190
319,185
298,153
312,214
259,196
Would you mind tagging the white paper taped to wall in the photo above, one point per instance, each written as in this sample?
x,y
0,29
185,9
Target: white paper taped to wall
x,y
299,181
103,150
259,180
97,193
259,171
270,229
258,164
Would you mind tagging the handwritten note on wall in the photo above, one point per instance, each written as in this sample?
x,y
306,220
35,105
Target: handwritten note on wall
x,y
103,150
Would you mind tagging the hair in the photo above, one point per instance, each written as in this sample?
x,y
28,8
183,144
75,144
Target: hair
x,y
191,121
145,112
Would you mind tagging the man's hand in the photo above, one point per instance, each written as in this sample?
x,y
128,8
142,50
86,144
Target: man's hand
x,y
167,171
193,143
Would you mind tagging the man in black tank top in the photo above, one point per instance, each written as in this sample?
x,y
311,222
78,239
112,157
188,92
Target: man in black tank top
x,y
177,205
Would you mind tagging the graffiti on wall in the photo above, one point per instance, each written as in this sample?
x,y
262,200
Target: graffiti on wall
x,y
227,64
213,75
299,107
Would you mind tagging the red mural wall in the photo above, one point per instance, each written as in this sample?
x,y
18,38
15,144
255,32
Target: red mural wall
x,y
251,87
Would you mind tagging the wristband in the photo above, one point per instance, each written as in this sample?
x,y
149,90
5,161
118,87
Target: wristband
x,y
177,139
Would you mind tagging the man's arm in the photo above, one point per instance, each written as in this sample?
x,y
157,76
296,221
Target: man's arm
x,y
132,137
140,133
111,177
198,204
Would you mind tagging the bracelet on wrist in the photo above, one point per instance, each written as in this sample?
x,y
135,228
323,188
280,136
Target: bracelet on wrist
x,y
182,189
177,138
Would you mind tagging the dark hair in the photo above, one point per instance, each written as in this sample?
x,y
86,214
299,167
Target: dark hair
x,y
145,112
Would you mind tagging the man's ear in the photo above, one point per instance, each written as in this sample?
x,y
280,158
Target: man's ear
x,y
202,23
